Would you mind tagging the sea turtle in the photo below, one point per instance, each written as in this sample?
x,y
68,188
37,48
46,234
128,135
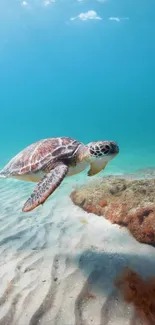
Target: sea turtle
x,y
48,161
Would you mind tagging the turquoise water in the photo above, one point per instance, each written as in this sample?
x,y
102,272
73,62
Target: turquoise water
x,y
84,69
89,79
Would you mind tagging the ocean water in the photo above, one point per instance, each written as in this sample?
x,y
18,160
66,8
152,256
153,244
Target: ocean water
x,y
88,79
83,69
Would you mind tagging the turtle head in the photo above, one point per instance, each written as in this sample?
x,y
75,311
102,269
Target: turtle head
x,y
105,150
100,153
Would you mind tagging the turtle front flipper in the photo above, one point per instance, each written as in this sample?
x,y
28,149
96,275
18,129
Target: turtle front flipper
x,y
46,187
96,167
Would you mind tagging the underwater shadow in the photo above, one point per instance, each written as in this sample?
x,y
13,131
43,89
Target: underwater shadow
x,y
101,270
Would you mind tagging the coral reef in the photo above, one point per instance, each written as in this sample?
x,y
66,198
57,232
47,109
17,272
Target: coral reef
x,y
122,200
139,292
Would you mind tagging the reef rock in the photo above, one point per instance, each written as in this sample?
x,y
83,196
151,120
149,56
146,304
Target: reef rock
x,y
140,293
124,201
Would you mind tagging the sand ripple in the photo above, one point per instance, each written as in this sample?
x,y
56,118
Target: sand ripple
x,y
58,264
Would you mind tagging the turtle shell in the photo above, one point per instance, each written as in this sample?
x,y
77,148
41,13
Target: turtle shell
x,y
36,156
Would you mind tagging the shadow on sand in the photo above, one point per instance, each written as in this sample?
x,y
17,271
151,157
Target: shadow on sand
x,y
101,270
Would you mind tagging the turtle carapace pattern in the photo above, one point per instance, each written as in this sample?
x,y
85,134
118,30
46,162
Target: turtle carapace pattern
x,y
49,161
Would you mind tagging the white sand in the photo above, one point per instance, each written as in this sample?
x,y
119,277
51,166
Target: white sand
x,y
51,261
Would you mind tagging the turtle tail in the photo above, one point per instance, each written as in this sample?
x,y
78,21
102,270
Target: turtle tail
x,y
3,174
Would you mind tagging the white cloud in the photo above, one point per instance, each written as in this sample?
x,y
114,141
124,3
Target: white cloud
x,y
89,15
24,3
114,19
47,3
118,19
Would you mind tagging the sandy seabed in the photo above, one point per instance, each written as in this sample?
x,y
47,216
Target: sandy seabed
x,y
58,264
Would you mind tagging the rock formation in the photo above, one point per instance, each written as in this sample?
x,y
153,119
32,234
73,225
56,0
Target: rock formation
x,y
125,201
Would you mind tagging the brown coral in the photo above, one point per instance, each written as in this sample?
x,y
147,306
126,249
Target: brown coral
x,y
139,292
124,201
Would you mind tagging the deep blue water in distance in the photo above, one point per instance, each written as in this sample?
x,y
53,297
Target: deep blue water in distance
x,y
88,79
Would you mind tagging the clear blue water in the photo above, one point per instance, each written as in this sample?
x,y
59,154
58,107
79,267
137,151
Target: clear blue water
x,y
90,80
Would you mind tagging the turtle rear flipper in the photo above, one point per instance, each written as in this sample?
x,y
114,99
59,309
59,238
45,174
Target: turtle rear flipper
x,y
3,174
46,187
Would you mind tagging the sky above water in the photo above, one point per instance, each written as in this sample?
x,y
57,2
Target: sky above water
x,y
84,69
